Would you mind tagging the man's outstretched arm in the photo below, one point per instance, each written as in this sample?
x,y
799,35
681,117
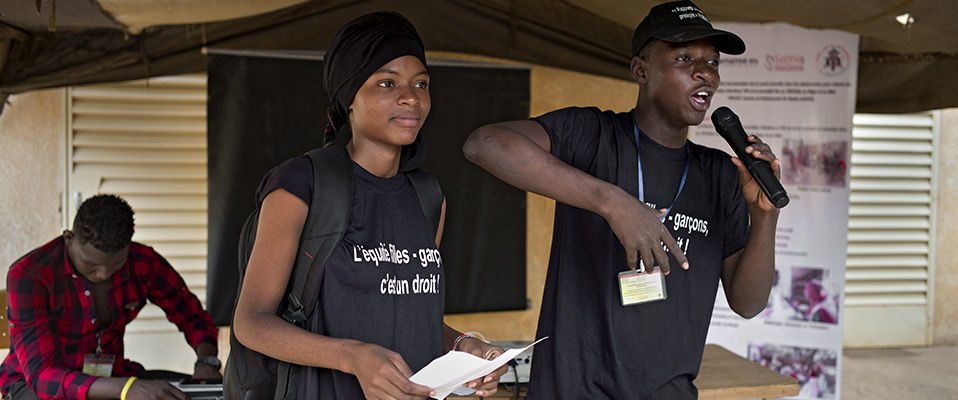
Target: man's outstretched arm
x,y
518,152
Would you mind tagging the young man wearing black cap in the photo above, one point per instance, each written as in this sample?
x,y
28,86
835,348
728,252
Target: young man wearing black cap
x,y
629,186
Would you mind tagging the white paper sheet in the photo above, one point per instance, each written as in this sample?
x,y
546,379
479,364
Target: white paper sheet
x,y
448,374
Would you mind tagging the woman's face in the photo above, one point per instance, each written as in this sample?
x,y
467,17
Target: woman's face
x,y
392,104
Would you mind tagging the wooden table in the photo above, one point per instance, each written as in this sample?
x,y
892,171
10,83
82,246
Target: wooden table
x,y
726,375
723,375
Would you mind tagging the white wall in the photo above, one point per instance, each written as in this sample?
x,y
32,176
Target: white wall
x,y
32,140
946,253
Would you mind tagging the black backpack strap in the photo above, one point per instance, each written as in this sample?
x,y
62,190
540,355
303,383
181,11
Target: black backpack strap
x,y
430,196
245,247
325,226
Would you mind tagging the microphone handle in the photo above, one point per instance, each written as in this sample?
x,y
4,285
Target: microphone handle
x,y
762,173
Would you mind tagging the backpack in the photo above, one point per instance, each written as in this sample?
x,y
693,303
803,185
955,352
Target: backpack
x,y
250,375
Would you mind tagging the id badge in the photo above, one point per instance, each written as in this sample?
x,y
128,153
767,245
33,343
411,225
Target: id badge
x,y
98,365
638,287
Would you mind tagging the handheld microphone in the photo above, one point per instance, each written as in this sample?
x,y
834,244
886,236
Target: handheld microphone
x,y
730,127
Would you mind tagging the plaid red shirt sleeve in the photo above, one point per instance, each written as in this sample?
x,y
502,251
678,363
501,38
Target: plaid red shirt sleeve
x,y
166,288
31,337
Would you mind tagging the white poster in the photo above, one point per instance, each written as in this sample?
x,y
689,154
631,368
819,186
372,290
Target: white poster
x,y
795,88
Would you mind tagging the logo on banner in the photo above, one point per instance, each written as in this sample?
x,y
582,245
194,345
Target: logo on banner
x,y
832,60
750,62
785,62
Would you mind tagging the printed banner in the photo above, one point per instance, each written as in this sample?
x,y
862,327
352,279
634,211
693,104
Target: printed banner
x,y
795,88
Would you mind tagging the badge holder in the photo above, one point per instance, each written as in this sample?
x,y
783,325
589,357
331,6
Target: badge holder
x,y
637,287
98,364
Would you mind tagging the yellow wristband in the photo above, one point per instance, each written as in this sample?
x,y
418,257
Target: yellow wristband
x,y
126,387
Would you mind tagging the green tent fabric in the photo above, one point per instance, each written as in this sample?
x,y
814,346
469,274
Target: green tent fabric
x,y
902,68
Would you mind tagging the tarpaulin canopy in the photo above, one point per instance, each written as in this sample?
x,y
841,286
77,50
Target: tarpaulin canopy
x,y
903,67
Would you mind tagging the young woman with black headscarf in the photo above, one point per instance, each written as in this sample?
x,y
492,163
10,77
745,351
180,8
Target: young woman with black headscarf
x,y
381,299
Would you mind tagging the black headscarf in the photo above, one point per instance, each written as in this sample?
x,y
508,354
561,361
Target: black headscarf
x,y
360,48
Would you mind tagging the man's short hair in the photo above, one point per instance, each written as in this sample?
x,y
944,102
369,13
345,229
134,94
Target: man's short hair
x,y
106,221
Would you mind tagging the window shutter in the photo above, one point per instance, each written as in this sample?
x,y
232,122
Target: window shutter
x,y
146,142
891,230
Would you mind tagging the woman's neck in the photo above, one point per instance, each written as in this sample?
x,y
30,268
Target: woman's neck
x,y
379,159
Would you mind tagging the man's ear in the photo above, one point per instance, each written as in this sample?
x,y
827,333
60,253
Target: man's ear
x,y
68,236
639,70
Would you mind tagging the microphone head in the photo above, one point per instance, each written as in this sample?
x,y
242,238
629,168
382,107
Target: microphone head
x,y
722,116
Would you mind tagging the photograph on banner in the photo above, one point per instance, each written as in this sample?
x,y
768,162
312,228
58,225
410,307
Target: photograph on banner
x,y
806,163
813,295
814,369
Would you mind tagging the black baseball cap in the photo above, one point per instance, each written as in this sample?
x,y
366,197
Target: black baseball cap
x,y
682,21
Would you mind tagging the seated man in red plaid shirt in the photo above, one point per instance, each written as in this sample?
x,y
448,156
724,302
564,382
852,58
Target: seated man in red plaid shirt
x,y
70,301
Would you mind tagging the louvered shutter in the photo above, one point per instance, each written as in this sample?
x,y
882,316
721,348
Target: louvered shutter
x,y
891,230
146,141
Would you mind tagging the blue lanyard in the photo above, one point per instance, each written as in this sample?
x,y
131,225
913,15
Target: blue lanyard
x,y
638,159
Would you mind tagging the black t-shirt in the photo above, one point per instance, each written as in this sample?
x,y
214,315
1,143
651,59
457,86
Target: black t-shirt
x,y
600,349
384,284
